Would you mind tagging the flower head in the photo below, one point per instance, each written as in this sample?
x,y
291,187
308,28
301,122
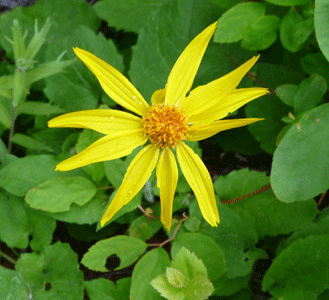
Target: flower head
x,y
172,119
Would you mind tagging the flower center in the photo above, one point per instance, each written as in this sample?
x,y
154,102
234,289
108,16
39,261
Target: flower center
x,y
165,125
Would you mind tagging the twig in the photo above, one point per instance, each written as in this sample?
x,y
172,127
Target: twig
x,y
8,258
174,233
263,189
321,197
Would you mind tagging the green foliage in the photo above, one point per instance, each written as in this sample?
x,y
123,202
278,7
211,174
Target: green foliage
x,y
321,18
186,278
133,257
54,272
129,249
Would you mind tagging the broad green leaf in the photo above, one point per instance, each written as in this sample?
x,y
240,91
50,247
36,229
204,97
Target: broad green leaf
x,y
165,36
316,64
261,34
272,216
297,174
269,107
13,286
288,2
126,14
37,108
295,31
89,213
144,227
319,226
309,94
82,90
236,236
226,287
321,20
286,93
128,249
226,3
115,170
233,24
105,289
147,268
58,193
29,143
303,266
23,174
205,249
53,273
86,138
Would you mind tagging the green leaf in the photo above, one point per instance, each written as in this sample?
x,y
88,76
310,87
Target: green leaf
x,y
269,107
233,24
205,249
29,143
13,286
82,90
89,213
86,138
297,174
320,226
261,34
126,14
309,94
52,273
105,289
236,235
321,19
114,171
303,266
295,31
147,268
316,64
163,39
144,227
23,174
58,193
286,93
128,249
288,2
5,117
37,108
272,216
226,287
77,11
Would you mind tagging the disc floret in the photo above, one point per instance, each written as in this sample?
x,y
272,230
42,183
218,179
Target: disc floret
x,y
165,125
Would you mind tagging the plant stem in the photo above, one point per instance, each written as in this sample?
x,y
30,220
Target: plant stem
x,y
8,258
12,126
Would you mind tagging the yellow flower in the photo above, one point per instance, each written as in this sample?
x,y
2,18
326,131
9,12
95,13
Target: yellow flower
x,y
172,118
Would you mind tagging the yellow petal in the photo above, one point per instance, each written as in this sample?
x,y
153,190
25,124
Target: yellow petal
x,y
231,103
182,74
199,180
201,132
102,120
210,95
167,176
158,96
137,174
112,146
117,86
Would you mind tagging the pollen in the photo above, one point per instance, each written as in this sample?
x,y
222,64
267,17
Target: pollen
x,y
165,126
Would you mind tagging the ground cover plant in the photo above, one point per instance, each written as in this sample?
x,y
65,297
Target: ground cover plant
x,y
256,228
